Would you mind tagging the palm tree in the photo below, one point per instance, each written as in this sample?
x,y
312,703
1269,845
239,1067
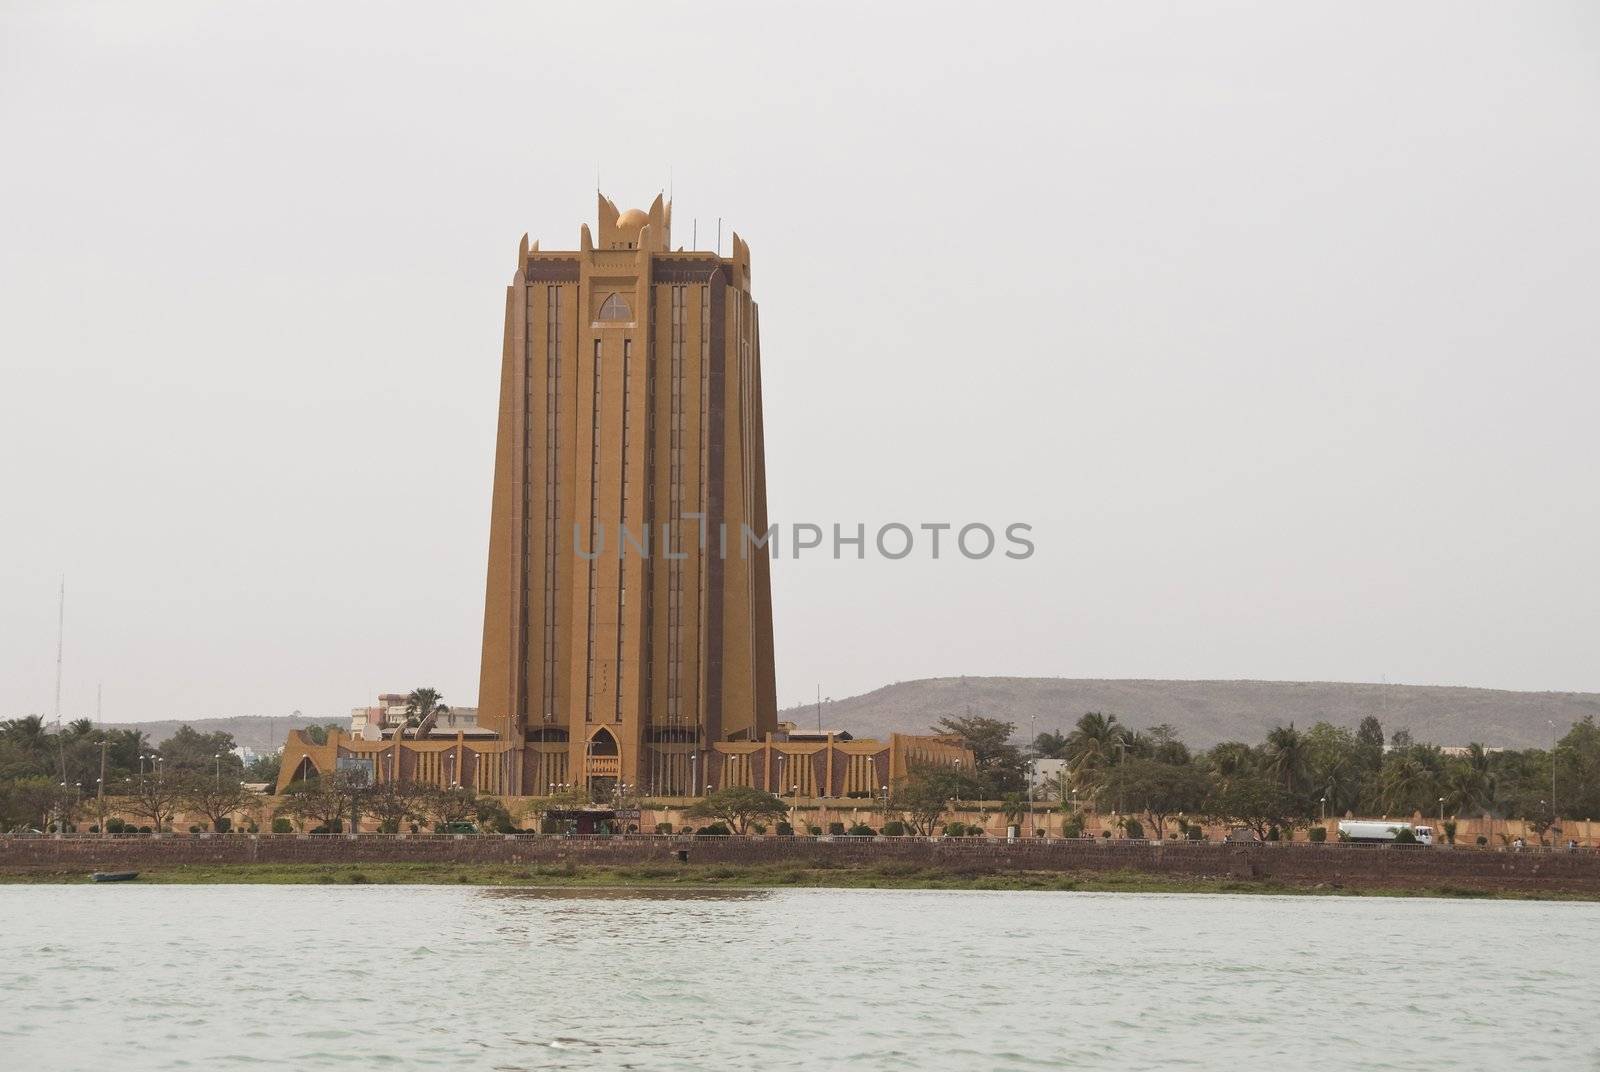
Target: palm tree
x,y
1232,759
1405,785
1470,783
1093,746
423,708
1285,757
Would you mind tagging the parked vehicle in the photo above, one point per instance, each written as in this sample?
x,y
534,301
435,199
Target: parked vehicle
x,y
1381,832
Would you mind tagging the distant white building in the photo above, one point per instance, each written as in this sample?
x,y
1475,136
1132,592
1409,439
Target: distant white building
x,y
1045,776
389,715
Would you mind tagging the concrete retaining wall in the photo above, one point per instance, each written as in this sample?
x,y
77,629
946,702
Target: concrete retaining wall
x,y
1295,863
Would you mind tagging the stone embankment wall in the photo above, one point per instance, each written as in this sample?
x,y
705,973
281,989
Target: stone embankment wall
x,y
1297,864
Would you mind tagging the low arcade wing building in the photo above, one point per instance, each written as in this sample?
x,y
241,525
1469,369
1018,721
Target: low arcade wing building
x,y
627,635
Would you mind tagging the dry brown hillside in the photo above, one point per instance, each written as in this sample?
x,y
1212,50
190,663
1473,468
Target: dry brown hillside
x,y
1205,712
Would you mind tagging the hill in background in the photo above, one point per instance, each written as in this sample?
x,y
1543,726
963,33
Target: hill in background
x,y
1205,712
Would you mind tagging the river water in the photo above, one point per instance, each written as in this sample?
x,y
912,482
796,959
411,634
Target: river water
x,y
216,977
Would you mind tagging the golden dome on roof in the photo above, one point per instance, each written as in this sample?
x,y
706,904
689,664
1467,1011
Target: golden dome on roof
x,y
632,220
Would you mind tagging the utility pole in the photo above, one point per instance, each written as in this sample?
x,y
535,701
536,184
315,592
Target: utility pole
x,y
61,632
819,707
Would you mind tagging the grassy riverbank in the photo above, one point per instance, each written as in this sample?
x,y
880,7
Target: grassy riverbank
x,y
753,876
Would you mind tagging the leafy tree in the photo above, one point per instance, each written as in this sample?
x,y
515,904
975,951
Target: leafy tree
x,y
737,807
31,803
190,750
1159,790
265,769
922,798
1577,769
1256,802
154,797
457,804
1369,743
319,734
492,815
1050,745
1001,768
571,799
397,803
1165,747
216,799
324,802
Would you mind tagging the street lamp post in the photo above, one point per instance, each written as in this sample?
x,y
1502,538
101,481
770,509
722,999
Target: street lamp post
x,y
1553,743
1033,767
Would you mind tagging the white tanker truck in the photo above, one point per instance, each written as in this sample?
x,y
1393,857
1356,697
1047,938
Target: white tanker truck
x,y
1375,832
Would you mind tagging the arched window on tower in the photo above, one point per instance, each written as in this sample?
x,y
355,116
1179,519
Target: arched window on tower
x,y
615,309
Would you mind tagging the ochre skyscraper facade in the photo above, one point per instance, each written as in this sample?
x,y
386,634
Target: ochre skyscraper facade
x,y
623,636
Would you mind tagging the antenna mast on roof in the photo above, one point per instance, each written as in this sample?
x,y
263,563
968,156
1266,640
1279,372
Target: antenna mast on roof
x,y
61,631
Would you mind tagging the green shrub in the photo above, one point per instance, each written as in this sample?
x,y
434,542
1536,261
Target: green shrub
x,y
1105,833
253,829
860,830
1072,826
280,825
1449,828
835,829
785,830
1482,841
1274,834
894,828
1403,836
1318,834
145,830
760,828
715,829
663,828
1133,828
1196,833
814,830
955,829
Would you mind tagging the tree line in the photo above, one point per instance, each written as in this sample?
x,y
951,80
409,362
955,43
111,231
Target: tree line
x,y
1288,779
49,776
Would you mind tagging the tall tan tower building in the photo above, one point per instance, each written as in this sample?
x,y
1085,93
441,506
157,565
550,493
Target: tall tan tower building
x,y
620,640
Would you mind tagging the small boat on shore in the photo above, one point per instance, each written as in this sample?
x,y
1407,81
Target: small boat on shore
x,y
114,876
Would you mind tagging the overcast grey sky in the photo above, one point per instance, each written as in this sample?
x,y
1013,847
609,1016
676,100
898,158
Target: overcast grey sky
x,y
1277,322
